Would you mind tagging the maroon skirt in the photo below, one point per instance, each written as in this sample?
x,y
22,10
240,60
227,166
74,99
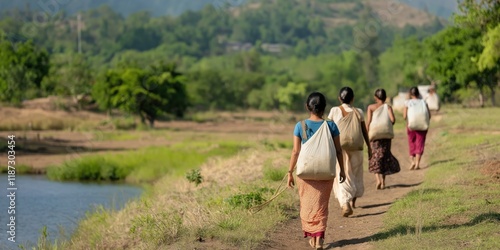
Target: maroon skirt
x,y
382,161
416,141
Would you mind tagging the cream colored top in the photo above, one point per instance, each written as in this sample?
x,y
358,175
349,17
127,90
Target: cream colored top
x,y
336,114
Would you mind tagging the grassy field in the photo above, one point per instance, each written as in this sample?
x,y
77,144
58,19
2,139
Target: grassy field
x,y
458,205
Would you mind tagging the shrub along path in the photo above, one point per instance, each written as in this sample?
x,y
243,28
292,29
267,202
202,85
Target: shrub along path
x,y
355,232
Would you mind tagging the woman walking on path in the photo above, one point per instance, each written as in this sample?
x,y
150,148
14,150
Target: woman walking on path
x,y
314,194
352,120
417,114
379,123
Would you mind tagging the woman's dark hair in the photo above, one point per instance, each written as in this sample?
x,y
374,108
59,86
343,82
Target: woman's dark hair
x,y
346,95
380,94
316,103
414,92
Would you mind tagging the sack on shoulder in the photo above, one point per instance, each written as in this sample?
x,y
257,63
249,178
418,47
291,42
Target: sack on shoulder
x,y
351,134
381,126
418,116
317,158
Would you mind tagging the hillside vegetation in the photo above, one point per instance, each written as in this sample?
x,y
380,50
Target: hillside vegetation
x,y
261,55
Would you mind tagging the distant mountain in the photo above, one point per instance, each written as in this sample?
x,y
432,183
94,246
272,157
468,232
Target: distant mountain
x,y
156,7
442,8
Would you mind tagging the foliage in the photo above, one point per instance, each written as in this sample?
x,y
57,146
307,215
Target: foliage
x,y
69,75
403,65
490,58
22,69
194,176
246,200
148,93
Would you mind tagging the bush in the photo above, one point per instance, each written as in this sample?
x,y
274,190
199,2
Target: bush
x,y
274,174
246,200
194,176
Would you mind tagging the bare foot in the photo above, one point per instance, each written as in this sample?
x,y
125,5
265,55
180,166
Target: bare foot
x,y
412,167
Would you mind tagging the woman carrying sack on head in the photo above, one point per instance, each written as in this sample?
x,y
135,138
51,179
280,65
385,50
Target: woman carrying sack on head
x,y
417,114
353,136
316,147
379,123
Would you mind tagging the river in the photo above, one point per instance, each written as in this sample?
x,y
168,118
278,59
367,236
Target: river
x,y
40,202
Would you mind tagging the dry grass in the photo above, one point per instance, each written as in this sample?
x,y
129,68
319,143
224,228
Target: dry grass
x,y
176,214
15,119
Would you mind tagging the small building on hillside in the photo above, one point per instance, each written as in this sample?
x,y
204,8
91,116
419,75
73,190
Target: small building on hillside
x,y
238,46
274,48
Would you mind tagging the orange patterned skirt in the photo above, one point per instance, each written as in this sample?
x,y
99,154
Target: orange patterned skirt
x,y
314,198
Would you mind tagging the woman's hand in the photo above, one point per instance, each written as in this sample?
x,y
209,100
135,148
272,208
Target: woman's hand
x,y
290,181
341,176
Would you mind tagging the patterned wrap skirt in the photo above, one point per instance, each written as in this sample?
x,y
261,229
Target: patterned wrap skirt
x,y
314,198
382,161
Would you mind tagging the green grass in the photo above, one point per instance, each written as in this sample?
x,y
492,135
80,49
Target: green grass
x,y
20,169
176,214
143,165
458,206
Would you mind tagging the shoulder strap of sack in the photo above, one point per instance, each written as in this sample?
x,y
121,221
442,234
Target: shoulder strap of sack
x,y
304,129
355,110
344,113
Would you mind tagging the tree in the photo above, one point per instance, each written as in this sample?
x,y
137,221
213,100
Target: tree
x,y
490,58
70,75
452,60
402,65
149,93
290,96
22,69
484,15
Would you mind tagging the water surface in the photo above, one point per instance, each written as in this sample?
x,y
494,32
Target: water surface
x,y
40,202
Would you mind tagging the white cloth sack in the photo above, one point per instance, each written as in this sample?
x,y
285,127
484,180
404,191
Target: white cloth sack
x,y
317,158
351,134
381,125
418,115
432,101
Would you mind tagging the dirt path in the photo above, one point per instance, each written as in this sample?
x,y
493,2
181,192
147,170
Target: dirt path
x,y
355,232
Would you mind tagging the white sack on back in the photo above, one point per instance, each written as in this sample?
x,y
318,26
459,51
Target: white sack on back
x,y
418,115
381,125
317,157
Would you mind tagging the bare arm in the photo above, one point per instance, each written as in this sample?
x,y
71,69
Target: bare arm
x,y
367,140
405,113
340,158
428,111
293,159
391,114
368,117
